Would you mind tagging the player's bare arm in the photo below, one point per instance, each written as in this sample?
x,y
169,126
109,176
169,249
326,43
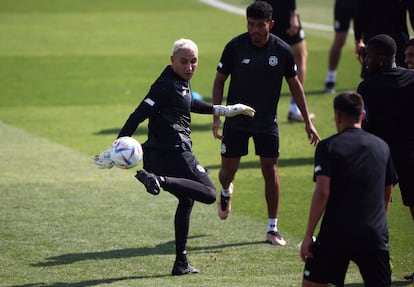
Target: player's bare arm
x,y
318,205
298,95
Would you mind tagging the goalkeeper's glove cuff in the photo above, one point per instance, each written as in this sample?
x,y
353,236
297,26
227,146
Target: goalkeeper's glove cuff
x,y
233,110
103,160
220,110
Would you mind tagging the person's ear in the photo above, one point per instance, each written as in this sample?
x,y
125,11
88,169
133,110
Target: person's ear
x,y
363,115
271,24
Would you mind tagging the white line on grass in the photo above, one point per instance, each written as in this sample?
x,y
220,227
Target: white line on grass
x,y
237,10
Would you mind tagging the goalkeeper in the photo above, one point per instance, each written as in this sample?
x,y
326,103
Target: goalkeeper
x,y
169,162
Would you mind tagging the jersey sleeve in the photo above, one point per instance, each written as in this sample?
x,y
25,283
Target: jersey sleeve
x,y
290,67
225,65
322,161
201,107
391,176
149,105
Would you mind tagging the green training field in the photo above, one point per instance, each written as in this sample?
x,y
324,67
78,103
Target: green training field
x,y
71,71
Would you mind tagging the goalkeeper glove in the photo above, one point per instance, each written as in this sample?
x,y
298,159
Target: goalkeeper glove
x,y
103,160
233,110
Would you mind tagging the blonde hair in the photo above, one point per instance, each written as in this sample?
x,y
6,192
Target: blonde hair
x,y
186,44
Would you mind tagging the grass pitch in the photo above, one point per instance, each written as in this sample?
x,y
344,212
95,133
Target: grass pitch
x,y
71,71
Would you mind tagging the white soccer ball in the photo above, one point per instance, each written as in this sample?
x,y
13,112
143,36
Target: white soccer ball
x,y
126,152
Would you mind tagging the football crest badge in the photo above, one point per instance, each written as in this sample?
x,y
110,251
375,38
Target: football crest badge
x,y
273,60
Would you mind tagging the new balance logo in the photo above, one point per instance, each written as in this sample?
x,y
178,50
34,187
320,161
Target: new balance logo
x,y
245,61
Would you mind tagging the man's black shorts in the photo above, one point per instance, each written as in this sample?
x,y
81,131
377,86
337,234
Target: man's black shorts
x,y
330,265
236,143
291,40
344,13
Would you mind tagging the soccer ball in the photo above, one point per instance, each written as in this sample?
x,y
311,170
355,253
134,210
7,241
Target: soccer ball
x,y
126,152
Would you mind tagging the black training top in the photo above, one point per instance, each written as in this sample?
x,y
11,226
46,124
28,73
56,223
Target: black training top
x,y
256,79
167,106
359,165
389,102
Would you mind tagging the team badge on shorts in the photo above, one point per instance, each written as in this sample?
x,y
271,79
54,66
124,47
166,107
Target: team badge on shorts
x,y
273,61
223,148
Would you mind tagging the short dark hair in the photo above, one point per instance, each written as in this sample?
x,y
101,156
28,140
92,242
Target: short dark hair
x,y
383,44
350,104
260,10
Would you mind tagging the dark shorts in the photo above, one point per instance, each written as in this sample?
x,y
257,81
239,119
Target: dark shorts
x,y
291,40
175,164
403,160
330,266
236,143
344,12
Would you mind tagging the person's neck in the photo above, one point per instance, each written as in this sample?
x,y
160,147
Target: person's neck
x,y
350,126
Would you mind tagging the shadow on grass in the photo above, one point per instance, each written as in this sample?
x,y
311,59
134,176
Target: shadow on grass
x,y
143,130
113,280
394,283
90,282
160,249
282,163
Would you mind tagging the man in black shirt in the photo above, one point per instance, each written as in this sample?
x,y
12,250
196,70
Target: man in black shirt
x,y
169,162
388,92
354,177
257,62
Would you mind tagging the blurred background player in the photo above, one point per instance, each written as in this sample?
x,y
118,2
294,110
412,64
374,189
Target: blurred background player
x,y
288,28
381,17
344,12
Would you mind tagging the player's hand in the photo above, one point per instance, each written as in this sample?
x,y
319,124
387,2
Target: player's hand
x,y
306,248
233,110
103,160
216,127
360,51
313,136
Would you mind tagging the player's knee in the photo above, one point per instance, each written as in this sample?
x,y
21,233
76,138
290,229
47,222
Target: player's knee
x,y
212,195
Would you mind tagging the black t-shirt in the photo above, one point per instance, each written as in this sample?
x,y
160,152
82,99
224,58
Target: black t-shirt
x,y
167,106
359,165
256,79
389,102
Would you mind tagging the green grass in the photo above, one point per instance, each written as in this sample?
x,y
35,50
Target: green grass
x,y
71,71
